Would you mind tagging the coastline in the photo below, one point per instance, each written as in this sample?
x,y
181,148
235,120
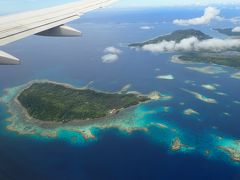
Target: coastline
x,y
53,124
130,120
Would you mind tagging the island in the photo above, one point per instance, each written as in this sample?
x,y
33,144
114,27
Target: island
x,y
190,112
230,59
236,75
54,102
177,144
234,153
52,110
228,32
176,36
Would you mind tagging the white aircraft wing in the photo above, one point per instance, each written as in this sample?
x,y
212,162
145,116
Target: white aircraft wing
x,y
46,22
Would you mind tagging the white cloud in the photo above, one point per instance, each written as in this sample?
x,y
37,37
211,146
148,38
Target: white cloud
x,y
112,50
235,20
193,44
146,27
210,13
236,29
166,77
110,58
111,54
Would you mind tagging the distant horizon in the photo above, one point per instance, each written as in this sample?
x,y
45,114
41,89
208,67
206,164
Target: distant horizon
x,y
9,7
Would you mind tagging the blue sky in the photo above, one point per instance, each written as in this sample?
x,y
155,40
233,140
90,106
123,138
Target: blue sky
x,y
155,3
9,6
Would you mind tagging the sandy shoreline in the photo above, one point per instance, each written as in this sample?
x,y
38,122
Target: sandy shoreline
x,y
16,109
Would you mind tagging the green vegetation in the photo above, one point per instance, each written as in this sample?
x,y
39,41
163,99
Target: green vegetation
x,y
176,36
54,102
228,32
229,58
226,59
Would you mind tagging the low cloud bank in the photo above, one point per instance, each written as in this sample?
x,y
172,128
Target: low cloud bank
x,y
236,29
210,14
146,27
111,54
235,20
110,58
193,44
112,50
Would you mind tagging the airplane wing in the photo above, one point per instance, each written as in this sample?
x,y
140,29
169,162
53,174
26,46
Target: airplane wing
x,y
45,22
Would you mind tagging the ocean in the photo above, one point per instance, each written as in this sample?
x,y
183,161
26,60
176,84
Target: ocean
x,y
117,154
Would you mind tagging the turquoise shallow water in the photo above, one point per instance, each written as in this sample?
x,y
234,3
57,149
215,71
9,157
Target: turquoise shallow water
x,y
149,118
137,143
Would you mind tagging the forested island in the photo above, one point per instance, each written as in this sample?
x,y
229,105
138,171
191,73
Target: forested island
x,y
227,31
58,103
229,59
176,36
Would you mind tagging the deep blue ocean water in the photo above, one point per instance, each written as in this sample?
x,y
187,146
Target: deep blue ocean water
x,y
115,156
